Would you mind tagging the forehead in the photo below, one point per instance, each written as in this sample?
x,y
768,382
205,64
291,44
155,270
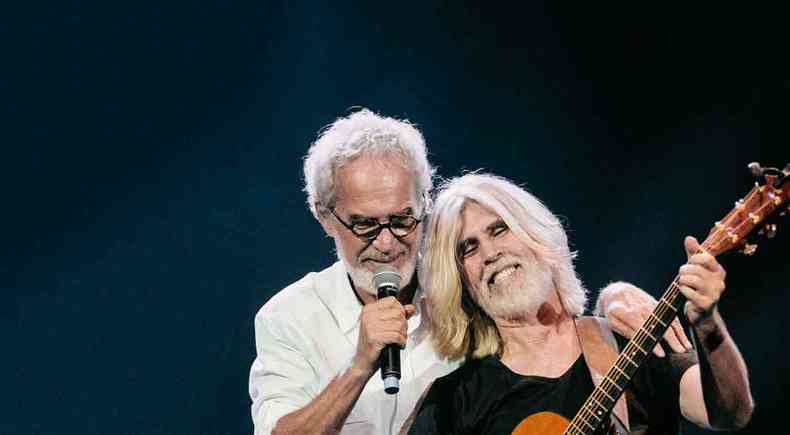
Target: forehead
x,y
375,186
475,218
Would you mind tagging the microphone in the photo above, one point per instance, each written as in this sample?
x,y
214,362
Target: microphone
x,y
386,281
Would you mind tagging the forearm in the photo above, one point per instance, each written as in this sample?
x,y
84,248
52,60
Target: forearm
x,y
328,411
723,375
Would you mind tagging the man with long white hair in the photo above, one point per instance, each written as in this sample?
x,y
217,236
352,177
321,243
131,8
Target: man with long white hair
x,y
368,183
504,295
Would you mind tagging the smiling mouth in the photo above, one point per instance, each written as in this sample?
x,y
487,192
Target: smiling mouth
x,y
503,273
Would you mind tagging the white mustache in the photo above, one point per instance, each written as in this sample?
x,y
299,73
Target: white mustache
x,y
383,258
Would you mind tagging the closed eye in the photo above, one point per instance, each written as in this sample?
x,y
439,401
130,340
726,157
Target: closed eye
x,y
467,248
498,228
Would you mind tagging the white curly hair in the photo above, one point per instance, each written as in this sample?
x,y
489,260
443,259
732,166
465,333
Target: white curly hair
x,y
364,132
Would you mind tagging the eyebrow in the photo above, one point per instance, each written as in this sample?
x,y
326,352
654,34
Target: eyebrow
x,y
462,244
405,211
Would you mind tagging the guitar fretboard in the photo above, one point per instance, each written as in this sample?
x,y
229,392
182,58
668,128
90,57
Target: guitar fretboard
x,y
597,407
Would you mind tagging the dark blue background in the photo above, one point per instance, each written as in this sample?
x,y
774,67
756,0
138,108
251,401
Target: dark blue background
x,y
151,173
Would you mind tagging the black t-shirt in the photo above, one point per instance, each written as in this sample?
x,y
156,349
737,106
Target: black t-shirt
x,y
484,397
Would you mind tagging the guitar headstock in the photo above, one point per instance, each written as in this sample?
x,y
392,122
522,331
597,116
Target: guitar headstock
x,y
770,193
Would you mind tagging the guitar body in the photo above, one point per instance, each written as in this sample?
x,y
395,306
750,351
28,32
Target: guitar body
x,y
548,423
541,423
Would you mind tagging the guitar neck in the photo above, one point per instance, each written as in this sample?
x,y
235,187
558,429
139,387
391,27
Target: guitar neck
x,y
602,400
727,234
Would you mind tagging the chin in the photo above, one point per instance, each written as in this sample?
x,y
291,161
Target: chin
x,y
363,275
518,299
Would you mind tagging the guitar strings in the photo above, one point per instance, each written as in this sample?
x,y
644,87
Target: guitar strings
x,y
668,299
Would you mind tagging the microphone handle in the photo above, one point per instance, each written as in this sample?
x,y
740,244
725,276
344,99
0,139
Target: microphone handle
x,y
389,359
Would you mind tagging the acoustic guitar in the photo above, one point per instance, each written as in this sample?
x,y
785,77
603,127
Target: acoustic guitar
x,y
769,194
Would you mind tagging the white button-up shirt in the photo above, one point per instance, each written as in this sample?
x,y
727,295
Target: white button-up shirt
x,y
306,335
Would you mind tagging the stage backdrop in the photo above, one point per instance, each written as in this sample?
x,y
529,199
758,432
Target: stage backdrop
x,y
151,173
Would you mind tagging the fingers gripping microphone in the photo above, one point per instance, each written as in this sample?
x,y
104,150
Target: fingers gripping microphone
x,y
386,280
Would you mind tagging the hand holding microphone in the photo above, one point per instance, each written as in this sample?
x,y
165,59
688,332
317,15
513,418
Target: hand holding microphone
x,y
386,281
383,330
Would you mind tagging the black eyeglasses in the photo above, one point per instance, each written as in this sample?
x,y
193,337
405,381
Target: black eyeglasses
x,y
368,229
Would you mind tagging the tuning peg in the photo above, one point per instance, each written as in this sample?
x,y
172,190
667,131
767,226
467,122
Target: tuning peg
x,y
755,169
768,231
748,249
775,176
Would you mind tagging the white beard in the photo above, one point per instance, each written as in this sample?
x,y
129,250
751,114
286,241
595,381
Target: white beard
x,y
363,278
519,295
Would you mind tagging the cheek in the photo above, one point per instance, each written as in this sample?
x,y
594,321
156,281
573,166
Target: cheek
x,y
352,247
413,247
472,272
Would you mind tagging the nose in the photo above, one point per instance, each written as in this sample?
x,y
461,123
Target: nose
x,y
385,241
489,251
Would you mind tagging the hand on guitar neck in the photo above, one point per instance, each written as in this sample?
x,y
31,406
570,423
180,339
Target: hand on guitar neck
x,y
628,307
701,280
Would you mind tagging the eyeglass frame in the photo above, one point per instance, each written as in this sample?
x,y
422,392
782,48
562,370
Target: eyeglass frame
x,y
379,226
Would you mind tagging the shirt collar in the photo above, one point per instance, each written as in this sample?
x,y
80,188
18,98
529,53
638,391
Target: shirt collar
x,y
339,297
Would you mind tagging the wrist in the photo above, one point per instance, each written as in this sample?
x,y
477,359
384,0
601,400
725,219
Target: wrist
x,y
600,305
361,369
710,332
699,319
614,292
705,323
606,294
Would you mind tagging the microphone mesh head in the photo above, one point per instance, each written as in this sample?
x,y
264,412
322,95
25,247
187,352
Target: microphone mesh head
x,y
386,275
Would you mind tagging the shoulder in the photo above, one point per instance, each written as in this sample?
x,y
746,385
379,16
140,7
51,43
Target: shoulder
x,y
302,300
470,373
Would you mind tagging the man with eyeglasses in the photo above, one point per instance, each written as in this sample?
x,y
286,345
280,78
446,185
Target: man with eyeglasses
x,y
368,183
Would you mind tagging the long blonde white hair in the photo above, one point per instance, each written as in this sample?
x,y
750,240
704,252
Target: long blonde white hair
x,y
460,327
